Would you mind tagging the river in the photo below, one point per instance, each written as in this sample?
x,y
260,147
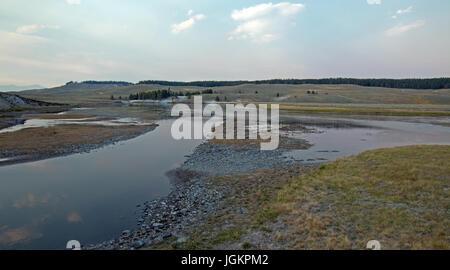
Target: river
x,y
92,197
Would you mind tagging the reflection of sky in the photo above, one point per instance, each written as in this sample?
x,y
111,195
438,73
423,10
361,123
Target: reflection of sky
x,y
89,197
22,234
332,143
74,217
17,235
41,164
30,200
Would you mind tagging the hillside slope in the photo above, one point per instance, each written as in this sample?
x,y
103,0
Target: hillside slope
x,y
278,93
12,102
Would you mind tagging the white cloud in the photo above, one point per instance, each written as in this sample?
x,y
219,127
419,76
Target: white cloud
x,y
177,28
403,11
199,17
33,28
184,25
73,2
397,30
250,29
284,9
12,41
263,22
374,2
267,38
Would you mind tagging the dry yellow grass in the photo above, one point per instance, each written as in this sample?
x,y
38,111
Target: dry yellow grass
x,y
57,116
246,191
363,111
398,196
289,94
52,140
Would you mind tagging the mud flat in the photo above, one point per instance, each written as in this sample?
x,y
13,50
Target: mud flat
x,y
52,132
41,143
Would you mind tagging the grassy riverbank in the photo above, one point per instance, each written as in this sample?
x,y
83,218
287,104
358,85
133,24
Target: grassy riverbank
x,y
364,111
398,196
45,142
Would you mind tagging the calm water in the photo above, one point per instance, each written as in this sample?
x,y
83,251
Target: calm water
x,y
88,197
92,197
352,136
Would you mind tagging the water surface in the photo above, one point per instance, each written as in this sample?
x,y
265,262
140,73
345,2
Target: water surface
x,y
341,137
92,197
89,197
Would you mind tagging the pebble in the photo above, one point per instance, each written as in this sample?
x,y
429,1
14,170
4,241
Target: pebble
x,y
192,200
138,244
181,240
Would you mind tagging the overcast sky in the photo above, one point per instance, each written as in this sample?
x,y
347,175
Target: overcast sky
x,y
50,42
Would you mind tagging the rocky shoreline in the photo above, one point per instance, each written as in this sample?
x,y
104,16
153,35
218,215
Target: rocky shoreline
x,y
168,217
219,160
192,199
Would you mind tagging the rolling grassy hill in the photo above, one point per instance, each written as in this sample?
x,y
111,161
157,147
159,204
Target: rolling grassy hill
x,y
278,93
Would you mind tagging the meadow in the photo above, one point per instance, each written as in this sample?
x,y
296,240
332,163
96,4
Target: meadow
x,y
334,95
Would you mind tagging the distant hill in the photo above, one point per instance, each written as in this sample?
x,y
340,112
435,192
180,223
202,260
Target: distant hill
x,y
10,102
434,83
79,86
415,91
12,87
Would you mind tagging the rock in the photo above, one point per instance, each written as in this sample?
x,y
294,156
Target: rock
x,y
157,225
181,240
168,235
126,233
138,244
243,210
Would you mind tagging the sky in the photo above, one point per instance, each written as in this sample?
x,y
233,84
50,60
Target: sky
x,y
50,42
